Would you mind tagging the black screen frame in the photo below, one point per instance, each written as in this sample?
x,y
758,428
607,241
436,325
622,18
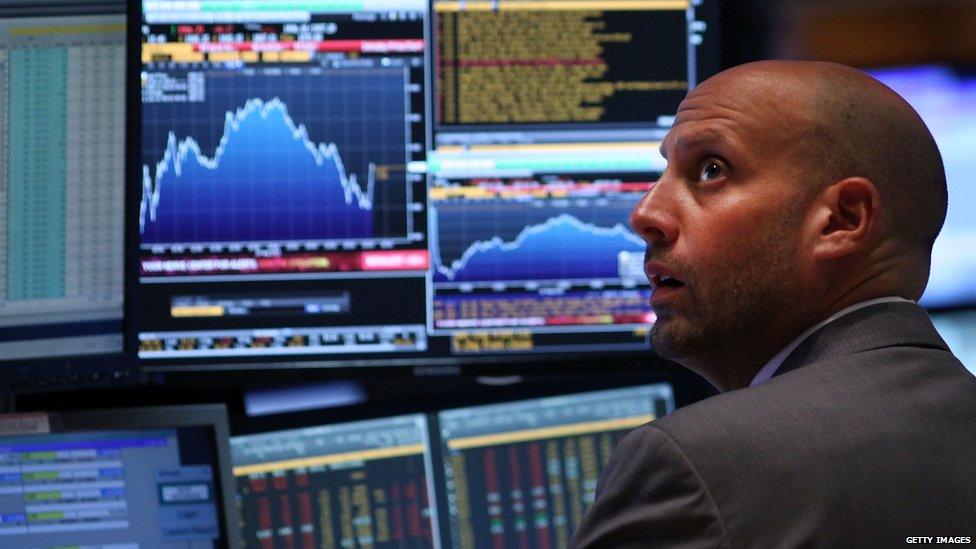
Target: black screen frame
x,y
422,364
212,416
63,371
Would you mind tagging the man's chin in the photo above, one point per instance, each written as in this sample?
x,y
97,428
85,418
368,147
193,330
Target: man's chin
x,y
674,339
663,339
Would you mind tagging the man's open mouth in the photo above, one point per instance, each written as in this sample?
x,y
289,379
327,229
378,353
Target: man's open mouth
x,y
665,281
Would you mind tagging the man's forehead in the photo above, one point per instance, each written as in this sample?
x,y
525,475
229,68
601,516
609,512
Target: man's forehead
x,y
734,109
691,135
706,120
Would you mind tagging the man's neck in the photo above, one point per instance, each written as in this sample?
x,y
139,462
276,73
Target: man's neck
x,y
733,366
737,364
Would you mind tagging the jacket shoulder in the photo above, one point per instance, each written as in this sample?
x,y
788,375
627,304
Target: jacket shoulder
x,y
780,457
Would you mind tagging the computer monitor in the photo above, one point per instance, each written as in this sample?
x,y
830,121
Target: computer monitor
x,y
946,99
61,195
62,104
146,477
509,474
357,484
565,70
523,474
304,191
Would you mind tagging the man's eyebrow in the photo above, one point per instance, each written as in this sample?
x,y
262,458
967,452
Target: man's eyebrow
x,y
692,141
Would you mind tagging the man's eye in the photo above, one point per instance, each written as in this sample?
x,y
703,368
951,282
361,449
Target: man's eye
x,y
710,169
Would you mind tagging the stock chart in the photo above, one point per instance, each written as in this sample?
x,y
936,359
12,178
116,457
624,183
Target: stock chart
x,y
395,182
551,242
274,157
544,251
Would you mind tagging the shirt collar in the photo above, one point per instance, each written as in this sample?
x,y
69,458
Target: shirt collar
x,y
774,363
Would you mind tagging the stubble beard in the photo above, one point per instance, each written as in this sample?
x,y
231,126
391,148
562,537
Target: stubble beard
x,y
730,311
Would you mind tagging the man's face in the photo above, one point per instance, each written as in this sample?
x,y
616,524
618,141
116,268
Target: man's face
x,y
723,222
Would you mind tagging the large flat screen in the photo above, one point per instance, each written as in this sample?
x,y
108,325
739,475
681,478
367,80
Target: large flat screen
x,y
62,128
384,183
946,99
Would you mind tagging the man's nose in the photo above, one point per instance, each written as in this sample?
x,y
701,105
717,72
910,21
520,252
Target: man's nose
x,y
652,218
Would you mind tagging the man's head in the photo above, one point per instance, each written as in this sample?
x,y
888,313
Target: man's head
x,y
793,190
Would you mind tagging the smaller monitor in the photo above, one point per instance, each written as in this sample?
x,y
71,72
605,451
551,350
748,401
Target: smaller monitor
x,y
357,484
147,478
523,474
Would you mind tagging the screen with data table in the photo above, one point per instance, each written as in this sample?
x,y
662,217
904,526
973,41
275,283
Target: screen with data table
x,y
147,488
62,126
503,62
358,484
517,474
387,183
523,474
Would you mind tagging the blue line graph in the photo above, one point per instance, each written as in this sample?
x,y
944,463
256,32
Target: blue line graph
x,y
311,155
265,170
560,248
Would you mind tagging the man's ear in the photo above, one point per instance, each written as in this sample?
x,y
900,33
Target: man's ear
x,y
847,215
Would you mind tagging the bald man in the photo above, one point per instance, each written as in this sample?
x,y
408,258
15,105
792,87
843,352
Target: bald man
x,y
787,243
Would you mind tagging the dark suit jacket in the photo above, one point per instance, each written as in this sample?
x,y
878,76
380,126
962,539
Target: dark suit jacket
x,y
866,435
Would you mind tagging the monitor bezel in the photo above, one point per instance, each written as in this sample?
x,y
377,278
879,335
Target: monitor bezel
x,y
213,416
423,364
47,373
430,396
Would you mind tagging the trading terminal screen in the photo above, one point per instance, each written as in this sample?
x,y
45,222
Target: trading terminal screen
x,y
357,484
523,474
146,488
384,182
62,126
517,474
564,61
